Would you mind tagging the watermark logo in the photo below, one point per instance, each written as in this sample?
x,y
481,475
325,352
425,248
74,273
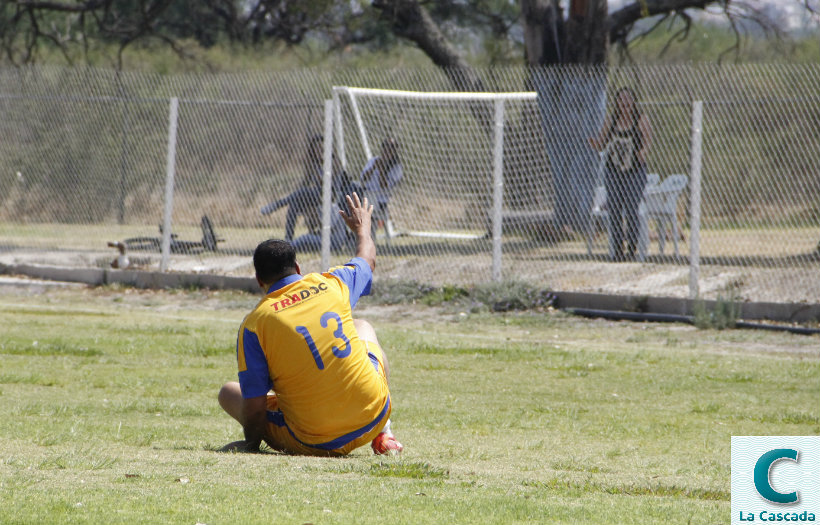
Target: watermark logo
x,y
763,478
775,479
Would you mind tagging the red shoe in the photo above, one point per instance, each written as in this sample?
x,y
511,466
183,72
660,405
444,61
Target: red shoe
x,y
386,444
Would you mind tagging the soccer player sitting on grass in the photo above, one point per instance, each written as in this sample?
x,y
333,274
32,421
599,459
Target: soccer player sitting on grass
x,y
312,380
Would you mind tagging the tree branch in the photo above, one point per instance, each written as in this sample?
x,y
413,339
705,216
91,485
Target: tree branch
x,y
734,47
412,21
91,5
679,35
622,20
813,9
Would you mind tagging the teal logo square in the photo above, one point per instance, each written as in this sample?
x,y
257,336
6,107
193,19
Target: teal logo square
x,y
775,479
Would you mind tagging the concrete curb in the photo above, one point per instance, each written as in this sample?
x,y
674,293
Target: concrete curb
x,y
783,312
136,278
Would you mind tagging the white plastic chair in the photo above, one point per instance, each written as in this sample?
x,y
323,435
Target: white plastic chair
x,y
598,212
662,207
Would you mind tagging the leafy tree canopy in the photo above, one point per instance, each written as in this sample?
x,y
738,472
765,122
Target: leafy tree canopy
x,y
447,32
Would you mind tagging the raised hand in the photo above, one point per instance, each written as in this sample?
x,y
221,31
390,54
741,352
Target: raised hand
x,y
357,218
358,215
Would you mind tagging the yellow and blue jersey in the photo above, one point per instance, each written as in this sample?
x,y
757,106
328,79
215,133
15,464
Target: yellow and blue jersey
x,y
300,342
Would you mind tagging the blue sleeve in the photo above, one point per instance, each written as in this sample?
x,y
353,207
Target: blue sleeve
x,y
358,277
255,380
368,165
395,175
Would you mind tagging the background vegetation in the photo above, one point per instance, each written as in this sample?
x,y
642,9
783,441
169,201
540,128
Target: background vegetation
x,y
100,137
232,35
705,43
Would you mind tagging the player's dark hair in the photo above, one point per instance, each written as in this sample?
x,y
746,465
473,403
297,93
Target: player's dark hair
x,y
274,259
390,145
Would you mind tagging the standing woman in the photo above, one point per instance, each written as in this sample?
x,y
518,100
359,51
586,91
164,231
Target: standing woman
x,y
626,137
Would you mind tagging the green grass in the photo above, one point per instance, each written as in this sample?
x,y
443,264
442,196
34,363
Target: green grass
x,y
108,403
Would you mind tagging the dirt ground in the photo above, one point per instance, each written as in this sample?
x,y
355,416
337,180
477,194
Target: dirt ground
x,y
778,284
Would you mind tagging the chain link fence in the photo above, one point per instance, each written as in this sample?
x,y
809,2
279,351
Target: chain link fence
x,y
490,187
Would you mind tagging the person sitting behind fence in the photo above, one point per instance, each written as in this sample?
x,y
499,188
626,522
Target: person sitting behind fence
x,y
306,201
340,235
379,176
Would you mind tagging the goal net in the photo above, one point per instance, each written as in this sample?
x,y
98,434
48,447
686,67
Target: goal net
x,y
472,164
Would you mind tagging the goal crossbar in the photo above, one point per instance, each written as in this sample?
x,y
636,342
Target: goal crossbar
x,y
441,95
498,99
352,92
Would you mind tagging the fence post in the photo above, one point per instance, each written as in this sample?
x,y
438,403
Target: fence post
x,y
327,184
357,115
123,150
170,166
695,162
498,187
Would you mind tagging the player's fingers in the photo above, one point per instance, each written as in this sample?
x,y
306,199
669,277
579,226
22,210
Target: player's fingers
x,y
349,202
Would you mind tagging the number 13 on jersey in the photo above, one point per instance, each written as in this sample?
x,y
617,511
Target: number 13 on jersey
x,y
338,334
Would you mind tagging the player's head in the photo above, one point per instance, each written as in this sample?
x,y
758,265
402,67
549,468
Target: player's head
x,y
390,146
274,259
390,150
314,148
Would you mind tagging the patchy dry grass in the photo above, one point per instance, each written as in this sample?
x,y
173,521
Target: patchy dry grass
x,y
108,401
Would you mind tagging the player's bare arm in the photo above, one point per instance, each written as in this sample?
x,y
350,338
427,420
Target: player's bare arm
x,y
358,217
253,422
382,173
249,412
366,173
646,137
599,142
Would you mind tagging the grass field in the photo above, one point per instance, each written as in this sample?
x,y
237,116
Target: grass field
x,y
108,404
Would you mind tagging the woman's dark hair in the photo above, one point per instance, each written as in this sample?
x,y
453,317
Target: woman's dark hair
x,y
634,96
274,259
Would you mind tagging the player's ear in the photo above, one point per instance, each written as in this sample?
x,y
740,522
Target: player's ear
x,y
261,284
298,270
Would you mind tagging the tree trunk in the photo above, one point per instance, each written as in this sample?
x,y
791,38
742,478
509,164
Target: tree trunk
x,y
549,39
587,40
412,21
543,25
571,106
571,85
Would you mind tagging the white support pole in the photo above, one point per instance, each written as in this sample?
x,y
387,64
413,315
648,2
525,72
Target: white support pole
x,y
339,139
696,158
327,184
170,167
498,186
357,115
